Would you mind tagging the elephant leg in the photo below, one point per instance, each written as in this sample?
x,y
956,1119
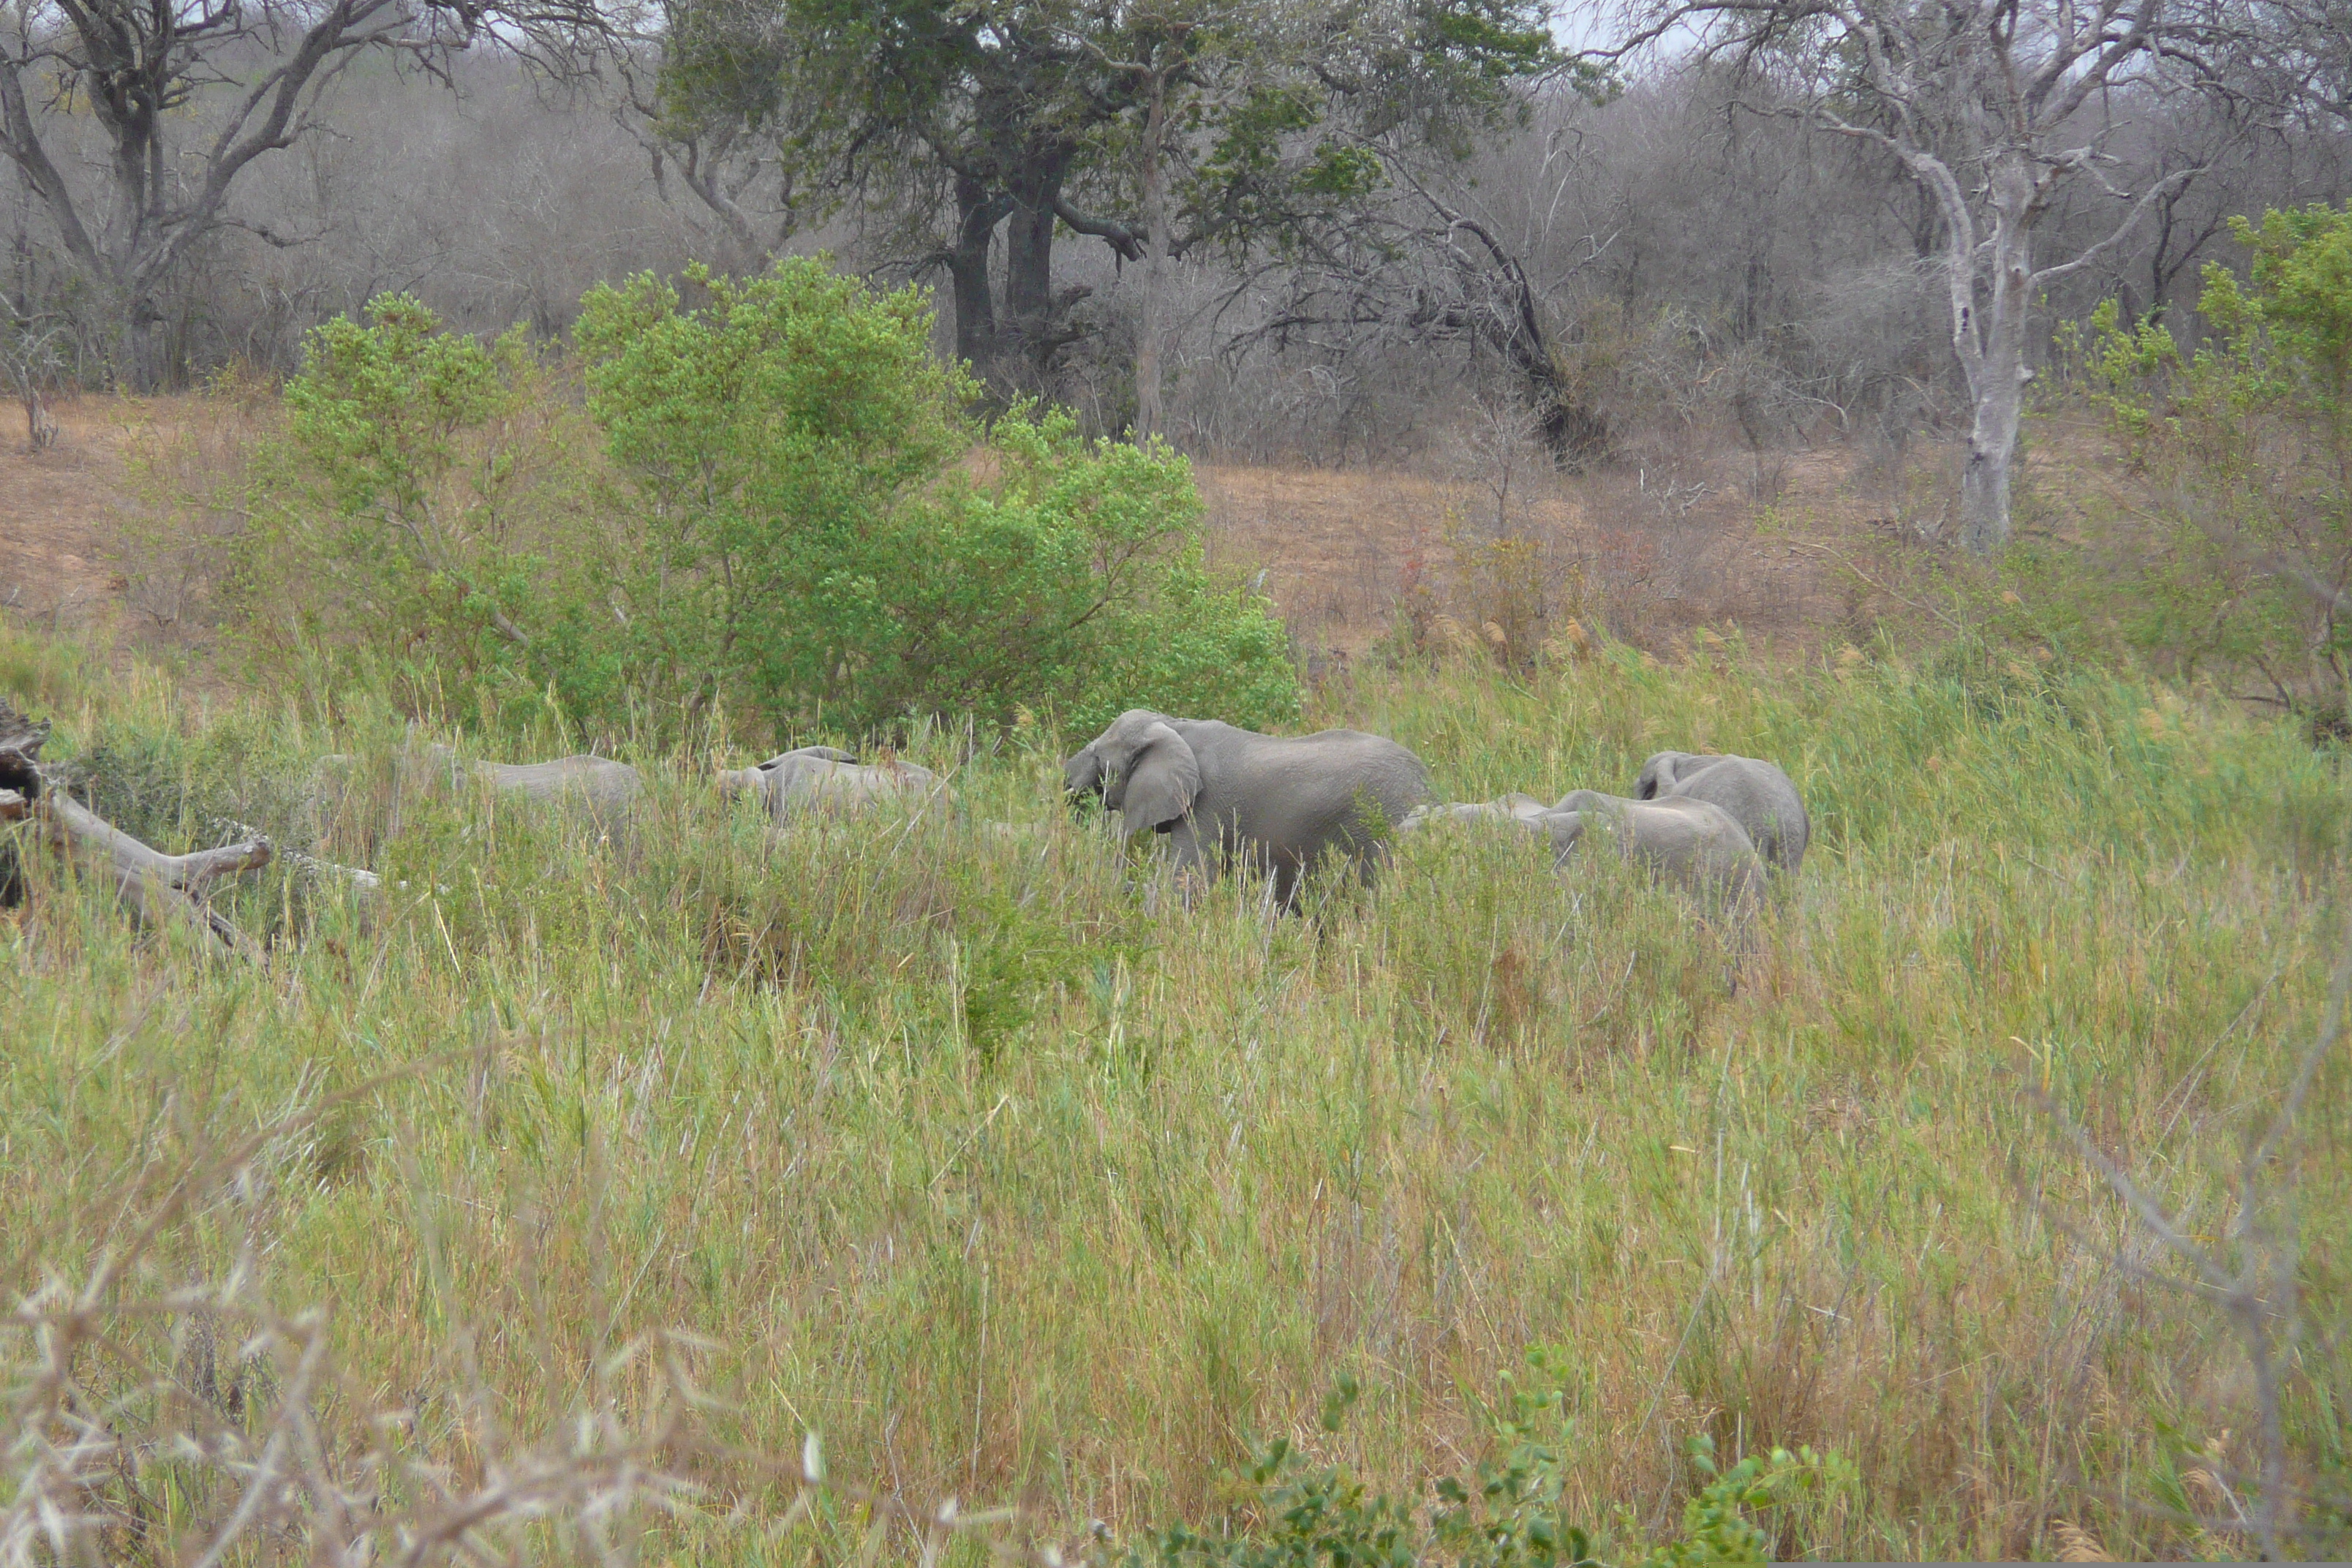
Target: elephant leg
x,y
1284,872
1195,869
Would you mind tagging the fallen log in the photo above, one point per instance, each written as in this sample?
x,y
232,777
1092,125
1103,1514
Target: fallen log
x,y
367,884
157,887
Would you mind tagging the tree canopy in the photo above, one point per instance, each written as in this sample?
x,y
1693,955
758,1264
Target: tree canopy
x,y
1251,123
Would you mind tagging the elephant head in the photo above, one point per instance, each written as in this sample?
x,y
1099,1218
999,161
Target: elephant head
x,y
1758,795
779,769
1142,769
1666,769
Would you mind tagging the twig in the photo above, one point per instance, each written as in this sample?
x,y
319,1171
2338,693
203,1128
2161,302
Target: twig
x,y
1874,583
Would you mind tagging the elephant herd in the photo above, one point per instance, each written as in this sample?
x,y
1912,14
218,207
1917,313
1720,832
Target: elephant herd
x,y
1286,803
1222,795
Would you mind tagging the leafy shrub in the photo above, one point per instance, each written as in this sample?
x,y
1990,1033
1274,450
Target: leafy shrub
x,y
814,542
794,522
2248,446
416,507
1507,1514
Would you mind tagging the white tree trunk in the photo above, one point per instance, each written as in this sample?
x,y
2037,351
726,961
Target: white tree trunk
x,y
1989,331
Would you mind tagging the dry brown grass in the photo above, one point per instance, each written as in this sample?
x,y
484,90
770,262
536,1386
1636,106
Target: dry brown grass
x,y
58,516
1729,541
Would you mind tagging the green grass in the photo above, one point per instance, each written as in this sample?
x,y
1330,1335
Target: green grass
x,y
1023,1184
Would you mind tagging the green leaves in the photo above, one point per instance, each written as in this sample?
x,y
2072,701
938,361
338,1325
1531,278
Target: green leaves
x,y
395,517
2248,446
1715,1526
792,519
2291,333
817,547
1507,1514
378,407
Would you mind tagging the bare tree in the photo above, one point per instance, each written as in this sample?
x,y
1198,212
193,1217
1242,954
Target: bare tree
x,y
1161,61
709,89
1983,103
150,72
1440,264
30,362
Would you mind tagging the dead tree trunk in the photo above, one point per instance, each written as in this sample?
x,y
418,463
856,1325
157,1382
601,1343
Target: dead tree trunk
x,y
158,888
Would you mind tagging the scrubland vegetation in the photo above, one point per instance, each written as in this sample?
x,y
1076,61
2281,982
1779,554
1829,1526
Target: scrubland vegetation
x,y
1023,1187
943,1181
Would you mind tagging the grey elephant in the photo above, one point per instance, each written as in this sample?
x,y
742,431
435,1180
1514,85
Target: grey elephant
x,y
1760,796
605,786
1282,803
1513,807
1694,842
825,778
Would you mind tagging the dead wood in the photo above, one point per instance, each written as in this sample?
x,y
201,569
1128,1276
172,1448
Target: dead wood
x,y
157,887
366,884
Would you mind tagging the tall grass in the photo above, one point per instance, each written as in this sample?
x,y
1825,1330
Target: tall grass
x,y
974,1148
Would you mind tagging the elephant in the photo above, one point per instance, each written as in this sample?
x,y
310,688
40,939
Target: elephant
x,y
1513,807
1282,803
1694,842
1760,796
607,787
825,778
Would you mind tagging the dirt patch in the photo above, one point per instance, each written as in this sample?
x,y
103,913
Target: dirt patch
x,y
1722,540
58,517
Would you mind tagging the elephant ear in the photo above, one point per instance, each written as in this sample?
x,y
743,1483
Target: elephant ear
x,y
1658,776
1161,782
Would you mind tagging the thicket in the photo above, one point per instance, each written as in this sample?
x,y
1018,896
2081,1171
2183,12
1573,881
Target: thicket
x,y
2236,560
770,500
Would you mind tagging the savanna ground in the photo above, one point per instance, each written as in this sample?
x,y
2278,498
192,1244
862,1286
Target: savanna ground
x,y
973,1150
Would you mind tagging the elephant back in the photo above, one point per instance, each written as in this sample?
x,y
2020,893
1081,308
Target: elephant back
x,y
1758,795
1305,792
605,786
1692,842
825,779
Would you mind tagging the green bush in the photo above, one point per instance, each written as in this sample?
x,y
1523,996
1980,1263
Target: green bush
x,y
1507,1514
2247,447
795,520
815,544
413,507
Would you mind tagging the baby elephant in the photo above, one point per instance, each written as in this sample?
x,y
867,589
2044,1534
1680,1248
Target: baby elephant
x,y
1760,797
1695,842
824,778
1280,802
1689,842
605,786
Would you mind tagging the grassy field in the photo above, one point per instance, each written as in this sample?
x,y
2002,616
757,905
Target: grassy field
x,y
967,1147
